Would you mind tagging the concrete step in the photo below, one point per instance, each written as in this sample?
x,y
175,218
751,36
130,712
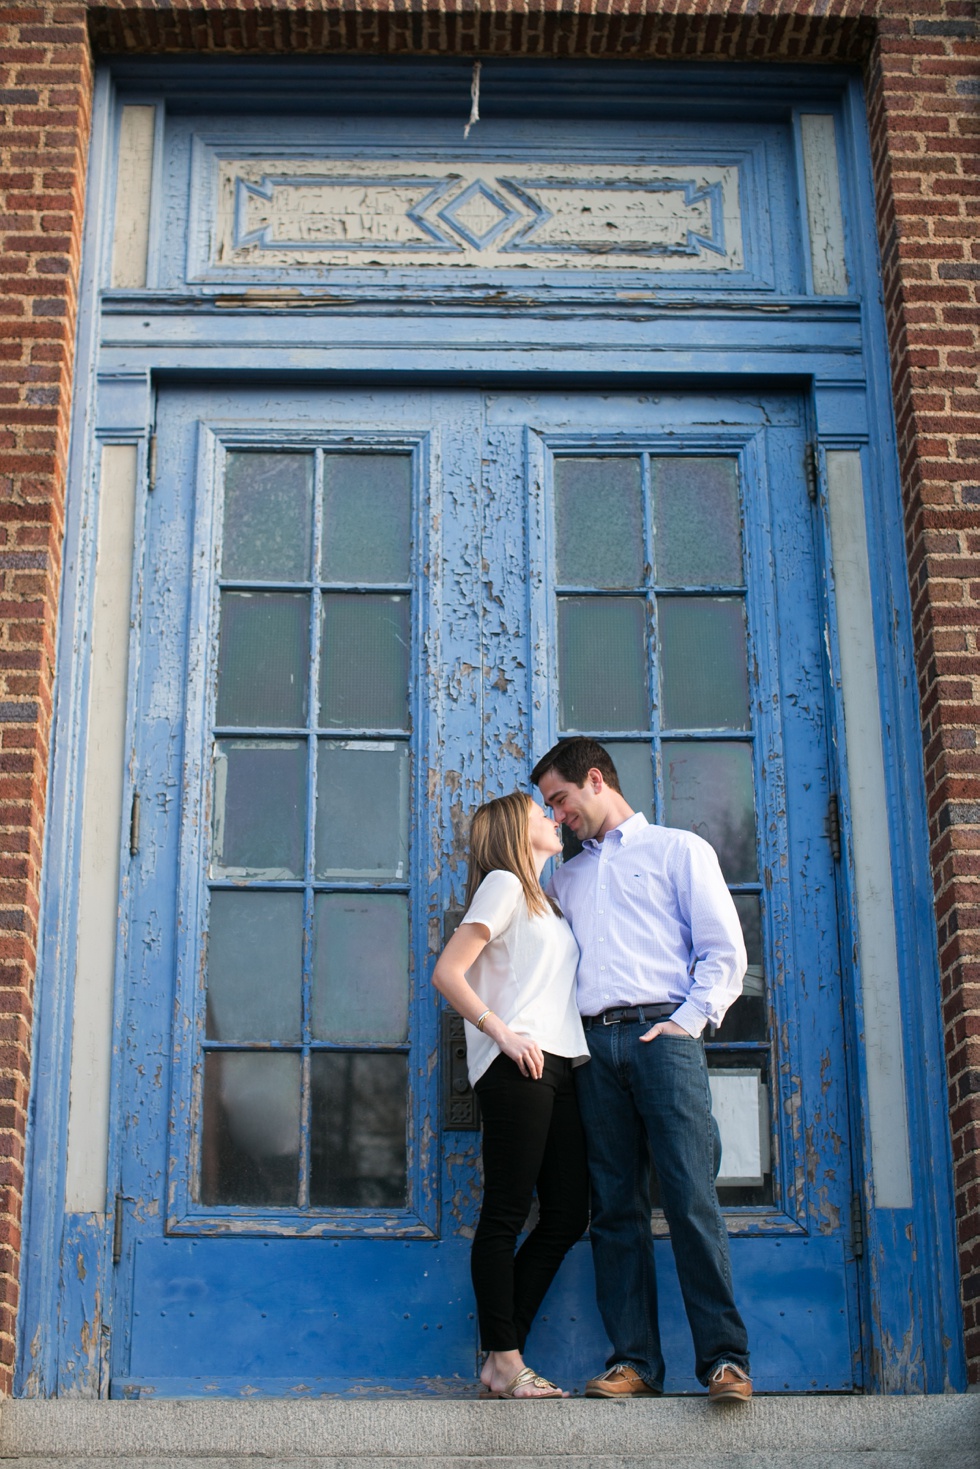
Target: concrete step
x,y
343,1433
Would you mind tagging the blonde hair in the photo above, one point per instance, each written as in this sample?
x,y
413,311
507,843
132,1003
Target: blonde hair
x,y
500,839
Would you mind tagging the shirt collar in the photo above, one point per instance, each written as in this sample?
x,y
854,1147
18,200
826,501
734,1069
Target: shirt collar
x,y
626,831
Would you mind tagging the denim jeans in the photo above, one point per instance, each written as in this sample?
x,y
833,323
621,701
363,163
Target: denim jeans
x,y
643,1100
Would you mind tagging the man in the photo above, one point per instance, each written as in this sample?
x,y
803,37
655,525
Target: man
x,y
662,956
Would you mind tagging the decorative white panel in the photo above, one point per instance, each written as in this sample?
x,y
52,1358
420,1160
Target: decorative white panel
x,y
131,227
98,885
888,1119
303,212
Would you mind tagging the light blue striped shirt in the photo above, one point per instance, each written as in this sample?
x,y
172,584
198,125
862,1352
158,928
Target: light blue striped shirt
x,y
655,924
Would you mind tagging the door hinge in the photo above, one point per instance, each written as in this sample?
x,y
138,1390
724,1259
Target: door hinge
x,y
117,1230
810,470
857,1227
151,464
134,825
833,826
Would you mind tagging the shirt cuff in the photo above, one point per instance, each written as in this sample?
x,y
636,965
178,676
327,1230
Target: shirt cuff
x,y
689,1018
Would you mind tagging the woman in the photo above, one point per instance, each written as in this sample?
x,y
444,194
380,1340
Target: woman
x,y
509,970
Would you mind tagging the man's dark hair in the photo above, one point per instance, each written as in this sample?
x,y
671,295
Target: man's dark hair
x,y
574,758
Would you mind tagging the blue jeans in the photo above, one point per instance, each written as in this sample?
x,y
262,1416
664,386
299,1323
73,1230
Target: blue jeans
x,y
642,1100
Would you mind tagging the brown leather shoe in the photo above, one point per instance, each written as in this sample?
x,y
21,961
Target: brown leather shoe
x,y
619,1382
729,1384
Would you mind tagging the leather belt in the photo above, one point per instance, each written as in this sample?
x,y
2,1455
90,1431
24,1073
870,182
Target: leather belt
x,y
620,1013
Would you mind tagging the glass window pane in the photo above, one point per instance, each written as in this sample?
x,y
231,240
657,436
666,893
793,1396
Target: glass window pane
x,y
259,808
268,517
602,674
740,1104
250,1147
362,808
358,1135
255,966
360,972
703,674
365,660
599,522
708,789
748,1018
634,766
262,659
367,517
698,541
750,917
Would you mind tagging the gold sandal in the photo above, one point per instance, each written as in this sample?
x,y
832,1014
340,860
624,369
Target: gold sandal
x,y
527,1377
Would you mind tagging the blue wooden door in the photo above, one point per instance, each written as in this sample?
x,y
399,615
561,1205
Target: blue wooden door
x,y
359,613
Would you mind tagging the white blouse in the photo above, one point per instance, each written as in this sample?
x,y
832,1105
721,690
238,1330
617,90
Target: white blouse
x,y
525,975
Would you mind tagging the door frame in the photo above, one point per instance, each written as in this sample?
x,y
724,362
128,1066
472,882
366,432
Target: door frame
x,y
67,1257
803,1228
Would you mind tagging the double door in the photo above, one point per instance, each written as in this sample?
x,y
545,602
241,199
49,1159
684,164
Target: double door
x,y
360,614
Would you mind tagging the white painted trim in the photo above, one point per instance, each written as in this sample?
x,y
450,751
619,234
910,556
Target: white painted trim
x,y
134,188
98,888
825,217
874,894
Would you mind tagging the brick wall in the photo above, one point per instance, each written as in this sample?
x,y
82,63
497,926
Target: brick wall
x,y
922,59
45,77
924,107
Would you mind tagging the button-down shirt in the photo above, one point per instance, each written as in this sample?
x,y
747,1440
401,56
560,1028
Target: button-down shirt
x,y
655,924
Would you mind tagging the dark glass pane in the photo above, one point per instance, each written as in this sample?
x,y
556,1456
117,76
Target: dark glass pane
x,y
750,917
259,808
250,1144
634,766
365,661
255,966
708,789
599,522
357,1144
263,658
360,974
698,540
367,517
703,673
268,517
362,810
748,1017
602,675
740,1104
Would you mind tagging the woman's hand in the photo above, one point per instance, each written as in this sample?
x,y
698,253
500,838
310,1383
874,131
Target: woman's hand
x,y
520,1048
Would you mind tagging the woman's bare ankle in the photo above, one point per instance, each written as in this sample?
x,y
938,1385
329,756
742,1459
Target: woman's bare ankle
x,y
500,1368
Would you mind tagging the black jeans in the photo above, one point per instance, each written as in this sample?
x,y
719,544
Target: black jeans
x,y
532,1139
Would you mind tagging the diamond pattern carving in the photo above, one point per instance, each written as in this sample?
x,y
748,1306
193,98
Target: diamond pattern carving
x,y
301,212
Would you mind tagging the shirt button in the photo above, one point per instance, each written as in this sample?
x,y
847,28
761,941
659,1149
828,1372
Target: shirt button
x,y
602,941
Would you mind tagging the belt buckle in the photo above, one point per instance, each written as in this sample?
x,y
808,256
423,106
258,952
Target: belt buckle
x,y
606,1020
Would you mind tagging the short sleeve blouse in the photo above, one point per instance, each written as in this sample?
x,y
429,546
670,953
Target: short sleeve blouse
x,y
525,975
